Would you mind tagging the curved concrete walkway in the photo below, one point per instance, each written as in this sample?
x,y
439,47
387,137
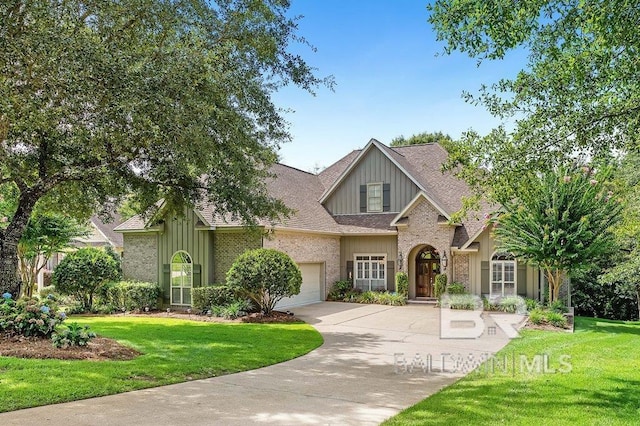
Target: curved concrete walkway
x,y
356,377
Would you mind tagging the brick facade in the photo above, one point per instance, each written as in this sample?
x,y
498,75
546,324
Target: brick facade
x,y
423,229
140,258
461,270
227,246
310,248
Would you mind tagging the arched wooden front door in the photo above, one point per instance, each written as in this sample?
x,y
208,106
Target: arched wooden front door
x,y
427,267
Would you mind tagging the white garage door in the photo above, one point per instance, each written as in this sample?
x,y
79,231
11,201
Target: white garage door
x,y
310,290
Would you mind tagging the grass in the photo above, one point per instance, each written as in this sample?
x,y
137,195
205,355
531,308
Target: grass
x,y
601,388
173,351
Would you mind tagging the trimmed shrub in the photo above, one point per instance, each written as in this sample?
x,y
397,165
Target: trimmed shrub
x,y
456,288
133,295
402,284
339,290
440,285
215,295
82,272
265,276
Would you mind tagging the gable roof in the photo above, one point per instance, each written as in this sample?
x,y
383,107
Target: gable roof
x,y
305,193
420,163
103,232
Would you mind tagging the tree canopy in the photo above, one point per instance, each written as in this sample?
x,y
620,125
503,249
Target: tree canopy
x,y
421,138
578,93
45,234
157,99
562,222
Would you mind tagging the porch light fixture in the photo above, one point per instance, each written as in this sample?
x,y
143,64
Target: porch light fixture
x,y
444,261
400,260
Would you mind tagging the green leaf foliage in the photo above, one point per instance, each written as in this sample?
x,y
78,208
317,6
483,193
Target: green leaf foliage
x,y
561,222
215,295
266,276
142,98
132,295
578,91
46,233
422,138
82,272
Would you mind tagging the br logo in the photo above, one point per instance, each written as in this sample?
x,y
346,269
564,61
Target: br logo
x,y
462,317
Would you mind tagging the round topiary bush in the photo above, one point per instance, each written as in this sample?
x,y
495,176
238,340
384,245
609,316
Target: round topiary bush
x,y
82,272
265,276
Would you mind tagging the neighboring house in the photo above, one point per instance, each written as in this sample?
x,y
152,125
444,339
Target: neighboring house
x,y
373,213
101,234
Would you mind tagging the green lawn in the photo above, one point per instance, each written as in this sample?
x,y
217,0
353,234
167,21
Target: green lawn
x,y
173,351
601,388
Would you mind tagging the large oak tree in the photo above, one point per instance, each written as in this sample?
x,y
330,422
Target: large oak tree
x,y
162,99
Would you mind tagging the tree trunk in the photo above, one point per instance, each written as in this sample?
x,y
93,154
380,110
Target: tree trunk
x,y
9,277
9,281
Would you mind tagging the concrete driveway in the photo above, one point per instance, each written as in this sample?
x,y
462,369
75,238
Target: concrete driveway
x,y
375,361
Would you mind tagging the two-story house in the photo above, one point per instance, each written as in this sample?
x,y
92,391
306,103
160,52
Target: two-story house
x,y
377,211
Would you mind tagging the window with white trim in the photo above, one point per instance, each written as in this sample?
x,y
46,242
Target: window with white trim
x,y
503,275
370,272
181,278
374,197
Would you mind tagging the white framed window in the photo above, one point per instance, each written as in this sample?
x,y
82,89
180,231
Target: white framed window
x,y
370,272
503,275
181,278
374,197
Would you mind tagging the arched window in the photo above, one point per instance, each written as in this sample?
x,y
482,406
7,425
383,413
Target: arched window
x,y
181,278
503,275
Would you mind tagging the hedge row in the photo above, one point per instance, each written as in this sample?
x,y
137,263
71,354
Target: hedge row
x,y
204,298
132,295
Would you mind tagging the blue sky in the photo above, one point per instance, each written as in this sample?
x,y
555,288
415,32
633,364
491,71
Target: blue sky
x,y
389,81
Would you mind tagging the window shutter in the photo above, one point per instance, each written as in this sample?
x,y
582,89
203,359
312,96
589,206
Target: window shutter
x,y
391,276
386,197
522,280
349,275
363,198
166,283
197,275
484,277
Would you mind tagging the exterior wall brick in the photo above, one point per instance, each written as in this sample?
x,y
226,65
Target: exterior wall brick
x,y
461,269
310,248
227,246
423,229
140,260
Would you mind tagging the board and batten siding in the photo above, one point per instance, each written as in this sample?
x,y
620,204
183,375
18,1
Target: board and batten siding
x,y
375,167
480,270
349,246
180,234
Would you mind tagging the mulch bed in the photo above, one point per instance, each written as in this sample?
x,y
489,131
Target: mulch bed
x,y
104,349
98,349
548,327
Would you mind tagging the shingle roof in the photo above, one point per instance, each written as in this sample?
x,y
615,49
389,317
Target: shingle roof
x,y
300,191
329,175
107,228
373,221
